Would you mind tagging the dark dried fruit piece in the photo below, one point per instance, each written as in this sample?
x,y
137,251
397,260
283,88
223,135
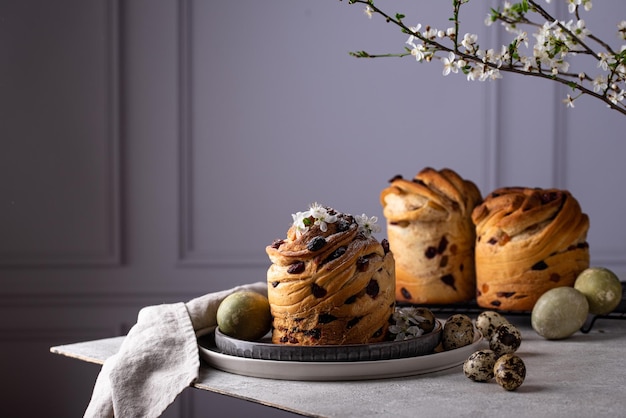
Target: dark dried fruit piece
x,y
396,177
316,244
351,323
504,294
277,243
335,254
296,267
314,333
275,283
378,333
444,261
443,244
541,265
548,197
326,318
351,300
430,252
448,279
385,245
318,291
372,288
405,293
496,303
342,225
362,263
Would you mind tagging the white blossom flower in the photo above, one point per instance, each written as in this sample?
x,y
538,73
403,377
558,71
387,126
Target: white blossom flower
x,y
299,222
578,28
469,42
413,29
417,50
321,216
569,102
621,28
615,97
316,215
522,38
449,64
367,225
487,56
494,74
475,73
605,60
368,11
599,83
430,33
572,5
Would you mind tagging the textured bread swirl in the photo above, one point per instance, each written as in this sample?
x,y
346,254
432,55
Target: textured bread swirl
x,y
431,235
528,241
342,293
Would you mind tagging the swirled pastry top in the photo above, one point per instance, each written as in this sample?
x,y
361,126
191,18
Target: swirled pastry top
x,y
430,196
322,234
544,219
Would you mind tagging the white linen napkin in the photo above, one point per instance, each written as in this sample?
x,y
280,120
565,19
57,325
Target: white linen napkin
x,y
158,359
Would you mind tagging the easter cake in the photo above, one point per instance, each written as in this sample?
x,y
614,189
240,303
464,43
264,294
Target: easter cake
x,y
330,281
528,241
431,234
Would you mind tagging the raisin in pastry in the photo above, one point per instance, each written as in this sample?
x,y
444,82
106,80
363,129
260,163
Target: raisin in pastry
x,y
432,236
331,281
528,241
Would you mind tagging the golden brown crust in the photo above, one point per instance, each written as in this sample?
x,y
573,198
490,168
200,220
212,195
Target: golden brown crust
x,y
528,241
432,236
342,293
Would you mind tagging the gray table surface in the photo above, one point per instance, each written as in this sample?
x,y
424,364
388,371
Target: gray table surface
x,y
581,376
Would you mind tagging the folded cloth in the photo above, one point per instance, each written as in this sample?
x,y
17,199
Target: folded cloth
x,y
158,359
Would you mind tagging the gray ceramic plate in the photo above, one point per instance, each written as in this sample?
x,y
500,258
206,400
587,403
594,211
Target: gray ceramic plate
x,y
265,350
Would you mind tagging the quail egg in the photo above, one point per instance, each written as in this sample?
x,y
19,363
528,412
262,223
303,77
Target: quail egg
x,y
458,331
505,339
509,371
479,366
488,321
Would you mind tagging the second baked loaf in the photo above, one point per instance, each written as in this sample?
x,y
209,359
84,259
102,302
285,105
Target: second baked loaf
x,y
528,241
431,234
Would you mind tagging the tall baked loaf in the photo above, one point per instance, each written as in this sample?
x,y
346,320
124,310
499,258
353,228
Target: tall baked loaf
x,y
431,234
330,283
528,242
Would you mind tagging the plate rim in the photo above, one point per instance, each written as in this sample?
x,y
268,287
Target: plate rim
x,y
339,370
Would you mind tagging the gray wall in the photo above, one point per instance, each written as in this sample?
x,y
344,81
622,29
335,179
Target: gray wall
x,y
152,148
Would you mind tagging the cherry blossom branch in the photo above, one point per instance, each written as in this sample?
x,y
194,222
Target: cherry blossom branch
x,y
560,40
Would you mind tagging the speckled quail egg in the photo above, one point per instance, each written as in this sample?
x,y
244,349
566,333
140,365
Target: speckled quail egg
x,y
509,371
479,365
505,339
458,331
425,318
488,321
